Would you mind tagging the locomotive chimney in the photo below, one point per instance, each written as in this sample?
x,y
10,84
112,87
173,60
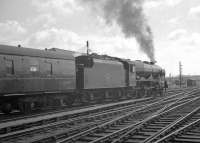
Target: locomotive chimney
x,y
153,62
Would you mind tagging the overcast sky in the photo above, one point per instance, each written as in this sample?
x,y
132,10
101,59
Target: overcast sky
x,y
66,24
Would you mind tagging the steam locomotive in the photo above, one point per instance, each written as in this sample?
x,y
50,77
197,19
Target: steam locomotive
x,y
33,78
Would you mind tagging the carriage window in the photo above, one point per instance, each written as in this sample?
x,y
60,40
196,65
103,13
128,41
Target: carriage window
x,y
49,68
9,67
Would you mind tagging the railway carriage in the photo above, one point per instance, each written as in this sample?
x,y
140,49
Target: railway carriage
x,y
30,77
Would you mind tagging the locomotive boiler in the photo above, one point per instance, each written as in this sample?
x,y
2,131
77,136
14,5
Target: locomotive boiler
x,y
149,77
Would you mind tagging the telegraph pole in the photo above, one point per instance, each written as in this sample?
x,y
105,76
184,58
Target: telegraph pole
x,y
87,45
180,73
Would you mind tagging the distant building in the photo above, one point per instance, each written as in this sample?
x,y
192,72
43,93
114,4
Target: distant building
x,y
187,81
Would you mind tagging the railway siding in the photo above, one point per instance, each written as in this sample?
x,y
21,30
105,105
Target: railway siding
x,y
189,132
85,119
153,128
66,125
117,127
6,127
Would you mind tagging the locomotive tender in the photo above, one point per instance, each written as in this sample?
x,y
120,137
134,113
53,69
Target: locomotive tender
x,y
32,78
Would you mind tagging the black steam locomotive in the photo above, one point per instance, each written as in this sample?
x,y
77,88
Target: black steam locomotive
x,y
31,78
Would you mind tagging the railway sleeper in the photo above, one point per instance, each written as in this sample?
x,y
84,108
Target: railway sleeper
x,y
191,136
186,140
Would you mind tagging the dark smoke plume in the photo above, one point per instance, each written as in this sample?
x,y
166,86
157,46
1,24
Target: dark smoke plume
x,y
128,14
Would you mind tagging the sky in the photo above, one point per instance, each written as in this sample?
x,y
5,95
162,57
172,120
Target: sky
x,y
68,24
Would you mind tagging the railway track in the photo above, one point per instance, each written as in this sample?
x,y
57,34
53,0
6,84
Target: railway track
x,y
62,115
115,128
17,115
72,124
73,120
188,131
154,128
79,122
142,114
149,130
66,114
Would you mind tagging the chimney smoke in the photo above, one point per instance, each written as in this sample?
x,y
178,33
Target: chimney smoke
x,y
128,14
